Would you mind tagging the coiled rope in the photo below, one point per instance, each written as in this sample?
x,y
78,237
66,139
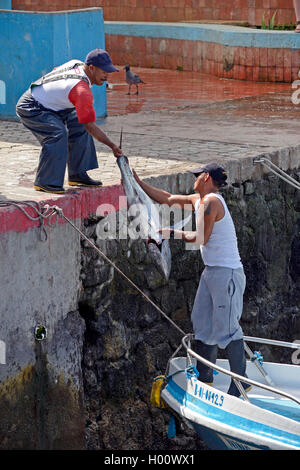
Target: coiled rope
x,y
41,213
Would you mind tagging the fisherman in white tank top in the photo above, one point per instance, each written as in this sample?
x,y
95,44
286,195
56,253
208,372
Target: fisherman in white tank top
x,y
218,303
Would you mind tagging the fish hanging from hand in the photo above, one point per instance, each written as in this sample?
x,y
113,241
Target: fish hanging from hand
x,y
149,215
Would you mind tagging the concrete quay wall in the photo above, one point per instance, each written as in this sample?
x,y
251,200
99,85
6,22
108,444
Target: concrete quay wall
x,y
41,389
48,387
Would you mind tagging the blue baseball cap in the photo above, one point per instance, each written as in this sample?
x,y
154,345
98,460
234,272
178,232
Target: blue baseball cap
x,y
100,58
215,171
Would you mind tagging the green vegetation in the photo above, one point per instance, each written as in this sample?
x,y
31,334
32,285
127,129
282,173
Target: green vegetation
x,y
278,27
285,27
271,22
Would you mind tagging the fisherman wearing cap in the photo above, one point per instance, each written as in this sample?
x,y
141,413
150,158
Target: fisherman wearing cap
x,y
58,110
218,303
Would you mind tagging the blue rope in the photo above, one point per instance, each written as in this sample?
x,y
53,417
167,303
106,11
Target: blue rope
x,y
190,372
257,357
172,427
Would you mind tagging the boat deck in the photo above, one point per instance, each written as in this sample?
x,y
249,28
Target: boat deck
x,y
285,377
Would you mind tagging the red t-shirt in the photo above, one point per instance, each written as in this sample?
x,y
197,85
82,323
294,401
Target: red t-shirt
x,y
82,98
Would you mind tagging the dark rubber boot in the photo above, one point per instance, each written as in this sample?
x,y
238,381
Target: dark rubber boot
x,y
237,360
208,352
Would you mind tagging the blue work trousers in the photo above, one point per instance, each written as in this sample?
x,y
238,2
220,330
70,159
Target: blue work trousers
x,y
63,139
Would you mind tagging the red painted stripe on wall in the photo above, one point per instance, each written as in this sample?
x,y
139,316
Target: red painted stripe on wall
x,y
75,205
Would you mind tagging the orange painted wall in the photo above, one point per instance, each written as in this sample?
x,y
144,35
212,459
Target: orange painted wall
x,y
172,10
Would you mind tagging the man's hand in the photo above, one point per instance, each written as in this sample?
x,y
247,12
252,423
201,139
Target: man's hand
x,y
98,134
186,236
117,151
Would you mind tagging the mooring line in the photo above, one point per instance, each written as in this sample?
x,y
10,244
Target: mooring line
x,y
278,171
59,211
47,211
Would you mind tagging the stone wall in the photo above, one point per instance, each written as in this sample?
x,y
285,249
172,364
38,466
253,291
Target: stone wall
x,y
88,384
127,343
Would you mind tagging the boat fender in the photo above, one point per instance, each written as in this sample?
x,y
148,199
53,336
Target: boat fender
x,y
160,381
172,427
155,398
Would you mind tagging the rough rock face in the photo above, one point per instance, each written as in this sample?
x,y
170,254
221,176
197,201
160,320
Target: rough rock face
x,y
128,343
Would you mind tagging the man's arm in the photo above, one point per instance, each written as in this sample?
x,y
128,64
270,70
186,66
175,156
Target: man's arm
x,y
164,197
210,210
186,236
98,134
81,97
213,211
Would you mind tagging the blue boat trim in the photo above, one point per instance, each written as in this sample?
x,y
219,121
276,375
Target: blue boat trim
x,y
221,34
219,441
235,421
288,409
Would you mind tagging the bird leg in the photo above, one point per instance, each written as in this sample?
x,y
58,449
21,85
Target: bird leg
x,y
129,90
137,90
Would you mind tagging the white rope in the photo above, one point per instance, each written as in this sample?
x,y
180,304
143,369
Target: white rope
x,y
41,213
46,212
278,172
61,214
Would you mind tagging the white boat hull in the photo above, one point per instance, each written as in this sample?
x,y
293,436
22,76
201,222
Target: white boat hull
x,y
227,422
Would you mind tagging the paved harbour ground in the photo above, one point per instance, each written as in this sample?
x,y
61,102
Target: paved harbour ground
x,y
177,120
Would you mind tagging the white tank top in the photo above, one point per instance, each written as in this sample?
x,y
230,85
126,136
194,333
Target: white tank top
x,y
55,95
221,248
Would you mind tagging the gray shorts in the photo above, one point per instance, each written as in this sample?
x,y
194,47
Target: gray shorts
x,y
218,306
